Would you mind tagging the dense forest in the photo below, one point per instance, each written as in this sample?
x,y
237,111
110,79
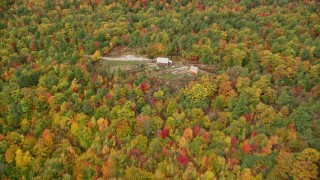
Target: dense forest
x,y
258,117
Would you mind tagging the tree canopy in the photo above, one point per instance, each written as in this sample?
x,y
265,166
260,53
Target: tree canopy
x,y
255,117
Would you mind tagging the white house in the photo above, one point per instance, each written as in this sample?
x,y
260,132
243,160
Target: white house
x,y
193,70
163,61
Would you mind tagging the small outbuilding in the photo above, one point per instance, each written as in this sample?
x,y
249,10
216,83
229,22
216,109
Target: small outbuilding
x,y
193,70
163,61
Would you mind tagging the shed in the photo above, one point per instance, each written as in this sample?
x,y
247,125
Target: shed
x,y
193,70
163,61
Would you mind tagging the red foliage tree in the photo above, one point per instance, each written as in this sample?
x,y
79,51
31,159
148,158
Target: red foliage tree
x,y
183,160
164,133
120,101
36,66
206,136
246,148
154,100
234,141
108,96
95,78
165,151
196,130
134,153
143,87
254,133
96,44
171,143
15,65
183,152
248,117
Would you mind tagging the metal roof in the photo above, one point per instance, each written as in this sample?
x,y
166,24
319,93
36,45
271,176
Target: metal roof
x,y
163,60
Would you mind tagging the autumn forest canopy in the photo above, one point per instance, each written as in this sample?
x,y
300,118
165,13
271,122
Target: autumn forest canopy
x,y
257,116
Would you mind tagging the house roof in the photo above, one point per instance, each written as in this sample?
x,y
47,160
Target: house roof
x,y
193,69
163,60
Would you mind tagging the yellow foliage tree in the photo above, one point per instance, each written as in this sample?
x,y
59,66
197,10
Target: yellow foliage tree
x,y
155,50
25,125
9,154
96,56
242,83
305,166
265,114
188,133
269,60
284,112
246,174
137,173
102,124
284,166
226,90
198,92
47,136
207,83
23,160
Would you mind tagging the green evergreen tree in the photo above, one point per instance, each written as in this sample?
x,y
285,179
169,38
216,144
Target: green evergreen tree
x,y
301,119
305,55
284,99
241,106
